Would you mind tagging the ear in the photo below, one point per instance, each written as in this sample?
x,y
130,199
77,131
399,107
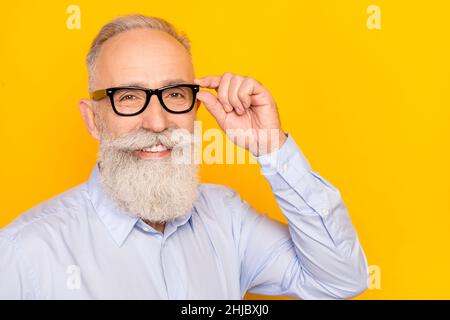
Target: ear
x,y
198,105
88,115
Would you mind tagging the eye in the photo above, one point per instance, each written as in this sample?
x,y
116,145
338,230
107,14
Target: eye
x,y
175,95
128,97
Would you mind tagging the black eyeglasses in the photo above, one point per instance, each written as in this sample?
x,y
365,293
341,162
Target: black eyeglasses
x,y
132,100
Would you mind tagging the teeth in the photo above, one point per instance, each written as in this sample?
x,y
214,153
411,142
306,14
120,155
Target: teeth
x,y
155,148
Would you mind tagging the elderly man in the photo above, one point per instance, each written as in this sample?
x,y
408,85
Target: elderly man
x,y
143,227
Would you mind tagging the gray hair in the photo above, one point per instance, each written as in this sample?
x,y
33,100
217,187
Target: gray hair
x,y
125,23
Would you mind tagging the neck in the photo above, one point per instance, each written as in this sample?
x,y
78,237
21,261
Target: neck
x,y
157,226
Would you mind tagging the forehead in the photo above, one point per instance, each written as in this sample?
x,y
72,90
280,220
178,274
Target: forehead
x,y
146,56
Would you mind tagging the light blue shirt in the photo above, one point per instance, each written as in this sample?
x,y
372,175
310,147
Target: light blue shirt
x,y
79,245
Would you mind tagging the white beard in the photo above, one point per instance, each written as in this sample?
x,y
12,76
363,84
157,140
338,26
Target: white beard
x,y
155,190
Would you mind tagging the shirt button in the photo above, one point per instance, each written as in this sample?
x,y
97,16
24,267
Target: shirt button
x,y
325,212
146,229
284,168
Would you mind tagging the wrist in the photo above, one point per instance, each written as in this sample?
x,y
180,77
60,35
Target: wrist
x,y
273,143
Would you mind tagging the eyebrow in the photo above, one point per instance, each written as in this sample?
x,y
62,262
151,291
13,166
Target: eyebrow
x,y
164,83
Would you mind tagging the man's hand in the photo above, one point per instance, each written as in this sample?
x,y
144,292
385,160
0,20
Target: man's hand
x,y
243,106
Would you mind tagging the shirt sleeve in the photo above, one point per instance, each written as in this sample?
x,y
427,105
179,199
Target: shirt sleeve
x,y
15,278
318,254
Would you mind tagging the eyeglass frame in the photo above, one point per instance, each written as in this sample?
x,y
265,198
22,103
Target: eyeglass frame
x,y
109,92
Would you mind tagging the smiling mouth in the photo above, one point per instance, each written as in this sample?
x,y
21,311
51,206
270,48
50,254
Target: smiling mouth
x,y
154,152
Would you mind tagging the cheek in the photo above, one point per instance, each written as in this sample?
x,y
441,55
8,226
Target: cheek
x,y
118,126
184,121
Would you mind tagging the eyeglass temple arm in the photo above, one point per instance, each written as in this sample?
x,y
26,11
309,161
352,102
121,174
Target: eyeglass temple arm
x,y
98,95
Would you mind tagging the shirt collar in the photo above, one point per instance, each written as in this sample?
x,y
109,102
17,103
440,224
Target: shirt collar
x,y
117,221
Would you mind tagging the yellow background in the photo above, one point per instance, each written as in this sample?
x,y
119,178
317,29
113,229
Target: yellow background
x,y
369,108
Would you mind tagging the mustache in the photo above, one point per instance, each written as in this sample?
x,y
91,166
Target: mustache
x,y
169,138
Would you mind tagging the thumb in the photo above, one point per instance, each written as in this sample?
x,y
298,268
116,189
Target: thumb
x,y
213,105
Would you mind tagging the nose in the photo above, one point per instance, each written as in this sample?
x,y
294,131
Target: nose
x,y
154,117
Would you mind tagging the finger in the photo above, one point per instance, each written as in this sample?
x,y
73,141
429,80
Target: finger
x,y
213,105
214,82
245,92
235,83
222,92
211,82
